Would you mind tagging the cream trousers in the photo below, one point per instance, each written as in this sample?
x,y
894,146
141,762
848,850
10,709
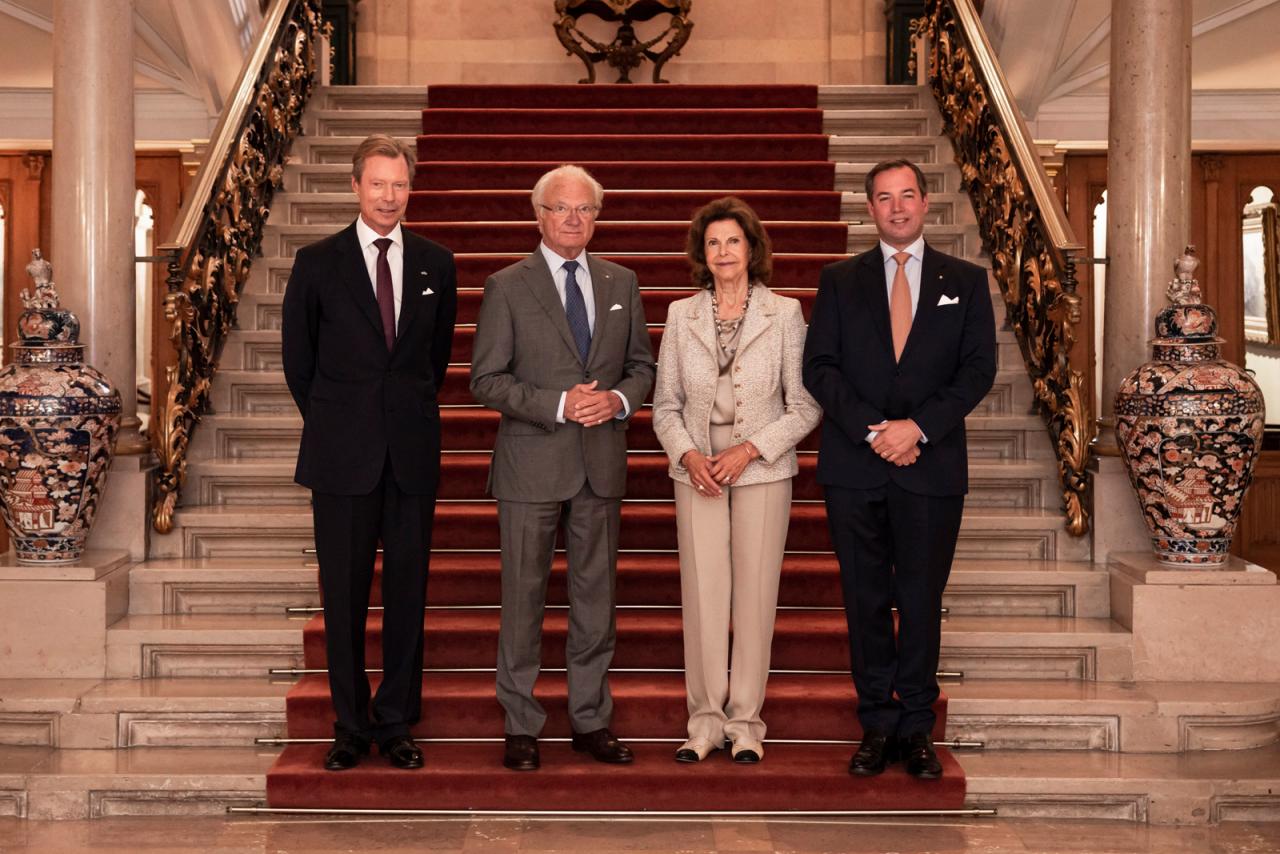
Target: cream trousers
x,y
730,559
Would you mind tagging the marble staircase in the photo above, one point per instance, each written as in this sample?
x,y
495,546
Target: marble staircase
x,y
1047,673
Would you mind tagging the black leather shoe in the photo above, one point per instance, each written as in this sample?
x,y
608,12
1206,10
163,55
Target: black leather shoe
x,y
344,754
401,752
922,762
521,753
874,754
603,746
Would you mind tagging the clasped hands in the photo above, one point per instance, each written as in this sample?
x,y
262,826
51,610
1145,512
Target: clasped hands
x,y
588,407
708,472
897,441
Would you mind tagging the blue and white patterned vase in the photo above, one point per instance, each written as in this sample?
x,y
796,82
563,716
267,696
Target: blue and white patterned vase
x,y
58,419
1189,425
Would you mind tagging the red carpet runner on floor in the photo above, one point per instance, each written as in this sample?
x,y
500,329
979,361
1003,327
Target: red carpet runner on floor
x,y
661,152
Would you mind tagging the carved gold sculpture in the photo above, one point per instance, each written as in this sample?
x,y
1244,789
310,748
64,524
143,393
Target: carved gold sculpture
x,y
627,50
220,229
1023,230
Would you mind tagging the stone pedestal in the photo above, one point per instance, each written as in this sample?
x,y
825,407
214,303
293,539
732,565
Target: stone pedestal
x,y
54,619
1120,528
1191,625
124,518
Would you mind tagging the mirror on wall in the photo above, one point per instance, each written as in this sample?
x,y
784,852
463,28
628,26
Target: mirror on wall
x,y
1260,247
3,242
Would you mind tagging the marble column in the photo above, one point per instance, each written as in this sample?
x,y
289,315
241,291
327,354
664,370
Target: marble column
x,y
94,187
1148,220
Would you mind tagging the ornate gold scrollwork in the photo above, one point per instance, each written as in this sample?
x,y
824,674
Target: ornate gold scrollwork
x,y
1016,214
627,50
220,228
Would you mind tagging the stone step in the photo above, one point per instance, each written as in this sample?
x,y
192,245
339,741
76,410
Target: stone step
x,y
362,122
124,713
339,208
260,349
193,586
276,437
286,531
43,783
363,98
221,645
873,97
920,148
994,485
284,239
1002,714
1206,787
196,785
890,122
264,392
942,176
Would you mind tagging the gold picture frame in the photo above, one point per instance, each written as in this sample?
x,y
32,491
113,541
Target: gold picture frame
x,y
1262,275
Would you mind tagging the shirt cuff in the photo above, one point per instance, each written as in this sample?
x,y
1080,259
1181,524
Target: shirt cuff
x,y
626,407
560,408
871,437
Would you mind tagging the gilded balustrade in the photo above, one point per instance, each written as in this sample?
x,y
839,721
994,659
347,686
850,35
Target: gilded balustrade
x,y
1024,231
219,229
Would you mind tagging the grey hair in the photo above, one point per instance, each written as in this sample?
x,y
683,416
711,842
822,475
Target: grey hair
x,y
569,171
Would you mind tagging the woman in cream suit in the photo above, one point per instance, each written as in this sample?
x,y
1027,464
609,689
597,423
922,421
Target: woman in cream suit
x,y
729,408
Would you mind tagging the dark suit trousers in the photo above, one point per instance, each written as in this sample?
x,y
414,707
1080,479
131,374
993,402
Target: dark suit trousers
x,y
528,533
348,528
894,548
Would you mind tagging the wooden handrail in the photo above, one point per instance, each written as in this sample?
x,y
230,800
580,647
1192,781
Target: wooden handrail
x,y
1024,230
219,229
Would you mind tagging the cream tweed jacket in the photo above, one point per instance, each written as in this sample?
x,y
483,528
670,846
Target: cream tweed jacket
x,y
772,409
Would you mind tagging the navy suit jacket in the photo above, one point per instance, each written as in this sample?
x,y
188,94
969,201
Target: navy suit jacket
x,y
358,401
948,365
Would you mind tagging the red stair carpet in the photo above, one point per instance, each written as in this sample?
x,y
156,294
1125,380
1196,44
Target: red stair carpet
x,y
661,152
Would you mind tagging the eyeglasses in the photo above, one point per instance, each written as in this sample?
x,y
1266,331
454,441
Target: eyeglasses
x,y
561,211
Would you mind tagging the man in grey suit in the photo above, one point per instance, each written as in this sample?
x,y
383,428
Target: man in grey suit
x,y
562,351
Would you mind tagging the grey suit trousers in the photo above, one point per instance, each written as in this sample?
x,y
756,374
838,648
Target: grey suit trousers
x,y
528,533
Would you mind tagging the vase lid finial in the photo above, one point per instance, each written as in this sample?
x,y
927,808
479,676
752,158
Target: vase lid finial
x,y
1184,289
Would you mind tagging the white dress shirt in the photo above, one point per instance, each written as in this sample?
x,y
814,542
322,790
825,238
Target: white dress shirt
x,y
395,259
913,265
582,276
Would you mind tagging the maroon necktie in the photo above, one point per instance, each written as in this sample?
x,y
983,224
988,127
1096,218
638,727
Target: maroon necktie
x,y
386,294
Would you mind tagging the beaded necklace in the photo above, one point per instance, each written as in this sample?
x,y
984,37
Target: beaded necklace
x,y
727,330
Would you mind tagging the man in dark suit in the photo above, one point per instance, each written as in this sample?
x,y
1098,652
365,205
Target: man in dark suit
x,y
901,348
562,351
368,324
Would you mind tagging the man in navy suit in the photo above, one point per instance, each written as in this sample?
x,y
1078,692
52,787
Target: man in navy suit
x,y
901,348
367,328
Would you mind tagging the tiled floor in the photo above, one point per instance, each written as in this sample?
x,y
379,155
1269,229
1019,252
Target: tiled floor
x,y
252,834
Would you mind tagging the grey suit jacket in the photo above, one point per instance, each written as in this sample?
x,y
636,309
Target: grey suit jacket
x,y
524,357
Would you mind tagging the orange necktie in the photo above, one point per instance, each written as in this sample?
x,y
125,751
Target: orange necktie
x,y
900,305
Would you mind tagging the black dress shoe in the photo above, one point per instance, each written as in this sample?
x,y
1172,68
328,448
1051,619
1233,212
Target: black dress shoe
x,y
345,753
922,762
521,753
874,754
401,752
603,746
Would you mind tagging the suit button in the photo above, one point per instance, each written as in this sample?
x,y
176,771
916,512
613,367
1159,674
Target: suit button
x,y
737,385
737,369
737,435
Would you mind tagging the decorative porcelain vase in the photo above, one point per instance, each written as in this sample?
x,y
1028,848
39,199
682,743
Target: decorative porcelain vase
x,y
58,418
1189,426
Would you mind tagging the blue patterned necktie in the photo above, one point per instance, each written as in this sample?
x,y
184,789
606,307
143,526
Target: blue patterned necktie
x,y
575,308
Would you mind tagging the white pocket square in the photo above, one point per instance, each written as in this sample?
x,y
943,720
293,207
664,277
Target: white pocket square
x,y
946,300
428,292
615,307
